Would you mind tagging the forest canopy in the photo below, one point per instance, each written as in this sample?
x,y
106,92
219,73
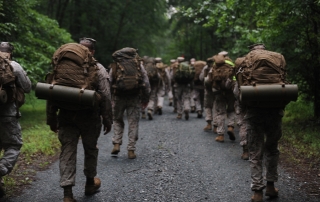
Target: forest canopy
x,y
168,29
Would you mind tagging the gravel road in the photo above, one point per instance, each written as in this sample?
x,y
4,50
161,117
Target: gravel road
x,y
176,161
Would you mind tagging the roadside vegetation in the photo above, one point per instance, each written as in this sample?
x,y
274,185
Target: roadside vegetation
x,y
40,145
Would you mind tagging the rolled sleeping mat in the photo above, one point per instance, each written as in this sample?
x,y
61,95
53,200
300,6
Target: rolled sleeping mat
x,y
3,97
276,92
66,94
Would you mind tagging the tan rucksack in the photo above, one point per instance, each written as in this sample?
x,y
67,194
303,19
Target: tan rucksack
x,y
152,72
262,67
261,76
74,66
7,79
198,66
222,69
126,72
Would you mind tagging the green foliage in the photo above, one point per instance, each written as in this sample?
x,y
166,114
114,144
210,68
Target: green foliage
x,y
37,137
114,24
301,130
34,36
290,27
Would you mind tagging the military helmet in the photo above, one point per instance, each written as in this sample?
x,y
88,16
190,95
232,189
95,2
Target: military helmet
x,y
6,47
88,42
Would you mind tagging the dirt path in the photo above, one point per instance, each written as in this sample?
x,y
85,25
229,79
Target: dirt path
x,y
176,161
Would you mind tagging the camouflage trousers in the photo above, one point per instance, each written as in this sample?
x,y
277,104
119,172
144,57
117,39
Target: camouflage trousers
x,y
132,106
182,94
174,97
156,96
72,126
197,96
224,106
10,142
242,128
264,132
209,104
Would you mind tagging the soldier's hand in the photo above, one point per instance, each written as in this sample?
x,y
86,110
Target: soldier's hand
x,y
54,127
144,105
107,127
107,130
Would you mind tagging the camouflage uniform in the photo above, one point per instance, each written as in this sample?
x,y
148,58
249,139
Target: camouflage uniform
x,y
132,105
10,130
174,99
85,124
209,101
225,108
156,96
182,95
264,132
169,86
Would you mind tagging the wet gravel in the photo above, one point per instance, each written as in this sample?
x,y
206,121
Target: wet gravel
x,y
176,161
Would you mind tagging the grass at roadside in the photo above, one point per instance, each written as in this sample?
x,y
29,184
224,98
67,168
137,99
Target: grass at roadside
x,y
301,130
39,145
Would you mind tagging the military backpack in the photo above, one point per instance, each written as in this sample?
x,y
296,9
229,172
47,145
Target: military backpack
x,y
126,75
152,71
261,76
183,73
222,70
75,67
7,79
198,66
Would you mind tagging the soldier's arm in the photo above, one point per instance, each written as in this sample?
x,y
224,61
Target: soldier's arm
x,y
146,89
201,76
22,80
105,102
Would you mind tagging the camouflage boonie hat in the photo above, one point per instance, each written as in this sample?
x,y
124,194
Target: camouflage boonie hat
x,y
192,61
158,59
257,46
6,47
172,60
224,53
88,42
210,59
180,59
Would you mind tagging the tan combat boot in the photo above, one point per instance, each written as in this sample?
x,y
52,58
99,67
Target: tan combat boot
x,y
199,114
271,191
220,138
231,133
179,116
68,195
257,196
93,188
193,109
208,127
186,114
143,116
245,154
150,112
131,154
69,199
116,149
215,129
